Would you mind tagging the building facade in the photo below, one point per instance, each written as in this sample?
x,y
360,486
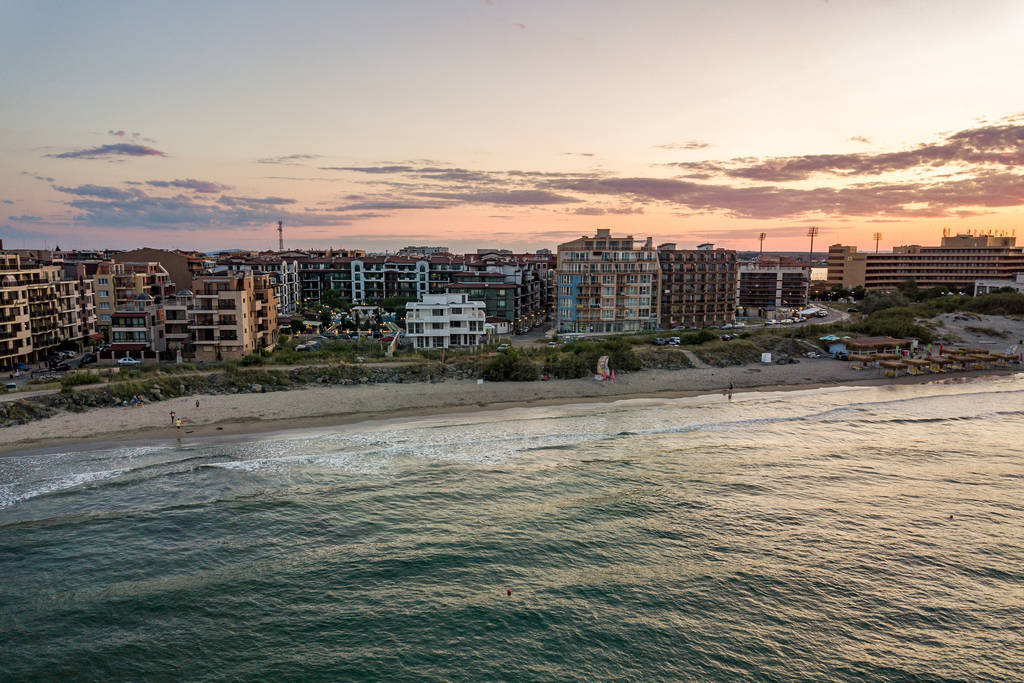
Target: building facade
x,y
956,263
606,284
116,285
40,309
772,282
233,315
697,286
443,321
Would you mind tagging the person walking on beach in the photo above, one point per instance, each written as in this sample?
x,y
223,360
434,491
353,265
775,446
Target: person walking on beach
x,y
177,423
197,403
729,391
172,417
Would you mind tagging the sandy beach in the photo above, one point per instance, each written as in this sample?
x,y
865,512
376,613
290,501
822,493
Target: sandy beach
x,y
228,414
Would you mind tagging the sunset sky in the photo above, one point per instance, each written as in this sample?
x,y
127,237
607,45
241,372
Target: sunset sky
x,y
514,123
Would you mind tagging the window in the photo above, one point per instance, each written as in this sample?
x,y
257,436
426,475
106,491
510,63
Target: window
x,y
102,281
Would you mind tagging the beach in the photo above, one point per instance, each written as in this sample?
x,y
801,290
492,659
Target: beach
x,y
227,414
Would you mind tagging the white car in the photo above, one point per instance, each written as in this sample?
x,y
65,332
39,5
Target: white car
x,y
128,360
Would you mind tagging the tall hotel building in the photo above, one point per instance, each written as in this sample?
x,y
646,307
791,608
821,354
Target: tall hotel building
x,y
957,262
607,283
698,286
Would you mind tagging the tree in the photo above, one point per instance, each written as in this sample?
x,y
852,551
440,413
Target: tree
x,y
858,292
879,301
334,299
298,327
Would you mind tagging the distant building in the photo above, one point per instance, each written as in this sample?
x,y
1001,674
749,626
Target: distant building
x,y
421,251
989,286
956,263
697,286
607,283
771,282
442,321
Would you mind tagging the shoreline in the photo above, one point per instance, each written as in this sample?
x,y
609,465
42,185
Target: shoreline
x,y
228,416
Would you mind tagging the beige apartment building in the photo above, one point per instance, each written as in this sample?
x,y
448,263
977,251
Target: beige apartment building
x,y
39,310
607,283
956,263
116,286
233,315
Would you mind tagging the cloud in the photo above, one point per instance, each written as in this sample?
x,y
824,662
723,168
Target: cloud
x,y
510,198
923,199
388,169
45,179
288,159
392,205
688,145
118,133
521,27
255,201
6,201
203,186
987,146
861,138
578,154
101,191
119,149
589,211
26,219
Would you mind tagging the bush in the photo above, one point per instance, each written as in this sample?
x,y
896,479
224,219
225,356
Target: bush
x,y
510,366
79,379
251,359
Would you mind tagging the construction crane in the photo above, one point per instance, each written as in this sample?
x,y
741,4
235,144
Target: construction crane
x,y
280,235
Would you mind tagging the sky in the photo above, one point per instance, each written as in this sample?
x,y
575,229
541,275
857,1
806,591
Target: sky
x,y
507,123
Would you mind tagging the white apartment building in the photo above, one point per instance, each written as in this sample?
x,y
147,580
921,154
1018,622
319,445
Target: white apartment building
x,y
443,321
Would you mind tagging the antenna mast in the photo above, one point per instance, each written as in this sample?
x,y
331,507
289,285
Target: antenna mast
x,y
280,235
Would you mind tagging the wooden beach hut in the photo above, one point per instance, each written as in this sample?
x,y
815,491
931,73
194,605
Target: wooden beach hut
x,y
892,368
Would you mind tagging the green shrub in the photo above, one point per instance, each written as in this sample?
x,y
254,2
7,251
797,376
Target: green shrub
x,y
79,379
251,359
510,366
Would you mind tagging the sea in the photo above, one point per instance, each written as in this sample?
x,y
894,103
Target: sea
x,y
841,533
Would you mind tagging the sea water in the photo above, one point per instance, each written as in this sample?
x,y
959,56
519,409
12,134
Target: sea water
x,y
841,533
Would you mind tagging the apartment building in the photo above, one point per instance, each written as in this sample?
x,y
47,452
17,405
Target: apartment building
x,y
697,286
39,310
283,272
233,315
607,283
117,284
771,282
957,262
137,329
443,321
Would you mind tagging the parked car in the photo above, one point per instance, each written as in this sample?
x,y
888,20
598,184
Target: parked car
x,y
387,339
60,367
552,343
87,359
659,341
504,347
841,355
11,386
128,360
852,310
